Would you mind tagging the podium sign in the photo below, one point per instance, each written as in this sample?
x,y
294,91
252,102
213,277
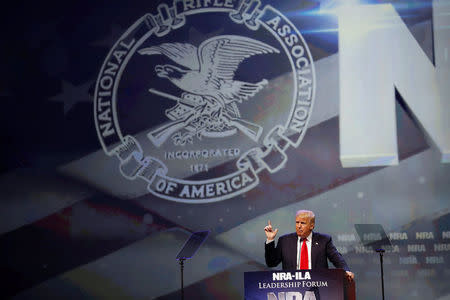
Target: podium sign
x,y
322,284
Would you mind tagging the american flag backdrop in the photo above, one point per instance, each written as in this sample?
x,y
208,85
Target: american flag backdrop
x,y
73,226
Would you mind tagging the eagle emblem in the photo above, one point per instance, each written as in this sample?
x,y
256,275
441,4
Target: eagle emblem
x,y
209,104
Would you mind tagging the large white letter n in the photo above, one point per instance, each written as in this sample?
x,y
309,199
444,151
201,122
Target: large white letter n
x,y
377,53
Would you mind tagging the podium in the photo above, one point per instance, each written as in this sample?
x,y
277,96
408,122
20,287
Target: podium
x,y
324,284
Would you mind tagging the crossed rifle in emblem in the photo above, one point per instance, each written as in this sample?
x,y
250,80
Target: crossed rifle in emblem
x,y
188,111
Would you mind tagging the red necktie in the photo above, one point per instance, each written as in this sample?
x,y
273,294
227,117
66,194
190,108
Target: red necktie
x,y
304,256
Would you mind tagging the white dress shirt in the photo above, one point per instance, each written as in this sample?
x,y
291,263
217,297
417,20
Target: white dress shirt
x,y
299,249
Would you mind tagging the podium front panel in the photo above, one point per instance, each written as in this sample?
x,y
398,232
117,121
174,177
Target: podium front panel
x,y
295,285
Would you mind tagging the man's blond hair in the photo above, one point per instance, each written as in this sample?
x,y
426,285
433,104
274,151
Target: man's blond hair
x,y
310,214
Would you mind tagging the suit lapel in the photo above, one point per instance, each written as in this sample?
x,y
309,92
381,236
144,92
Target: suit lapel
x,y
314,245
294,246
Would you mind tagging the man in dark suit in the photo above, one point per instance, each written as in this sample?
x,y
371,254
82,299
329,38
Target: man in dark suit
x,y
303,249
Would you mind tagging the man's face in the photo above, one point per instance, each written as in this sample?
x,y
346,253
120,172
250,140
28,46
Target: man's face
x,y
303,225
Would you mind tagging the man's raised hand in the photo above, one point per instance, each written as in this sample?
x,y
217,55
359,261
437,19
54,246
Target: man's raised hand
x,y
270,233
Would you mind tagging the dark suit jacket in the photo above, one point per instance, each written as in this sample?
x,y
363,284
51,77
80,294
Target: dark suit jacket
x,y
322,248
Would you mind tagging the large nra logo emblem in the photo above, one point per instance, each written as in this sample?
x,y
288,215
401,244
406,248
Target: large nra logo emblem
x,y
198,111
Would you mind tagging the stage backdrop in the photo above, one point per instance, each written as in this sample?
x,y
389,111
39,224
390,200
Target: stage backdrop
x,y
126,126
